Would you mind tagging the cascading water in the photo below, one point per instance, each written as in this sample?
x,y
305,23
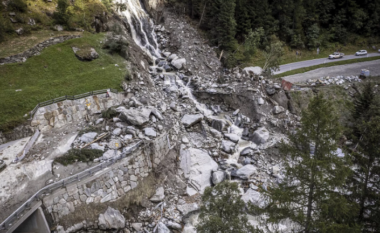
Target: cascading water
x,y
142,27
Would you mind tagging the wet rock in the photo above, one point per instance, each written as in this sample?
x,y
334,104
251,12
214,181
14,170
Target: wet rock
x,y
190,120
88,137
217,177
278,109
260,136
232,137
228,146
111,219
270,90
159,195
179,63
246,171
135,116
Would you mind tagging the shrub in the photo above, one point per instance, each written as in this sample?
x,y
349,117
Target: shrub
x,y
6,27
61,16
18,5
109,113
78,155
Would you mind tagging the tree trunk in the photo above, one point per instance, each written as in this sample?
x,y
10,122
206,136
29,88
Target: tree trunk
x,y
309,207
364,192
204,9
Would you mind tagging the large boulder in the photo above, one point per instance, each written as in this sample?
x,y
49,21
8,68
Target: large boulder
x,y
256,70
85,54
253,197
197,167
278,109
246,171
135,116
111,219
179,63
232,137
188,208
260,136
190,120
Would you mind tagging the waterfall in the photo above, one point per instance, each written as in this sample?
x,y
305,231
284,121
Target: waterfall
x,y
142,27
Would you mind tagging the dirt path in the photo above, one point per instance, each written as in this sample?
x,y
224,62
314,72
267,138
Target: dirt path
x,y
345,70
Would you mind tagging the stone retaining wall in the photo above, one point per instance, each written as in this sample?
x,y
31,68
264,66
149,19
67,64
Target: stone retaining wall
x,y
21,57
109,184
68,111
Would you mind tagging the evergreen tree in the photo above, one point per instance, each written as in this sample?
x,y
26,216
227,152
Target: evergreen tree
x,y
243,22
364,182
311,192
225,28
223,210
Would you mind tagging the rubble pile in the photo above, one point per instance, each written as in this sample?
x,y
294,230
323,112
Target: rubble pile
x,y
338,80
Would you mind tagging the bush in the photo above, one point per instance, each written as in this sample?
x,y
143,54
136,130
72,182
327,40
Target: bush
x,y
6,27
27,29
109,113
78,155
18,5
61,16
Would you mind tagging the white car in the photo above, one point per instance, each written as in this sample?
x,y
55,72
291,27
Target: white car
x,y
361,53
336,55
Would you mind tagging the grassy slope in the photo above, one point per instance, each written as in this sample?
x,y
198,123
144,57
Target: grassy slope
x,y
23,43
305,69
56,72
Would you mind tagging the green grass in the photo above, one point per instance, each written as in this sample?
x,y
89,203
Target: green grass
x,y
78,155
305,69
54,73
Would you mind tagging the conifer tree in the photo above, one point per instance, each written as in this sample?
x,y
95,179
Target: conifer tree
x,y
311,193
223,210
365,180
243,22
225,28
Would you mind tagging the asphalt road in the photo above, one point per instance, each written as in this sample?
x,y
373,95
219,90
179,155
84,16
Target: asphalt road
x,y
301,64
333,71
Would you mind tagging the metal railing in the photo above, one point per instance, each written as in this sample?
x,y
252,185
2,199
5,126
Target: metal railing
x,y
69,97
62,183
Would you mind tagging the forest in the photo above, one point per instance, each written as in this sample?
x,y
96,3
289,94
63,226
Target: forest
x,y
300,24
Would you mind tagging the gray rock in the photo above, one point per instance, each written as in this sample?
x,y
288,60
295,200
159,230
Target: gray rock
x,y
174,225
116,132
232,137
111,219
246,171
98,121
172,57
190,120
161,228
85,54
270,90
135,116
159,196
260,136
218,177
114,144
179,63
187,209
157,114
228,146
19,31
249,151
215,133
150,132
253,197
137,226
58,27
260,101
88,137
278,109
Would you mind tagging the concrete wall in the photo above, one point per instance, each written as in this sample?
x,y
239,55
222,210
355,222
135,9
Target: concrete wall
x,y
35,223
